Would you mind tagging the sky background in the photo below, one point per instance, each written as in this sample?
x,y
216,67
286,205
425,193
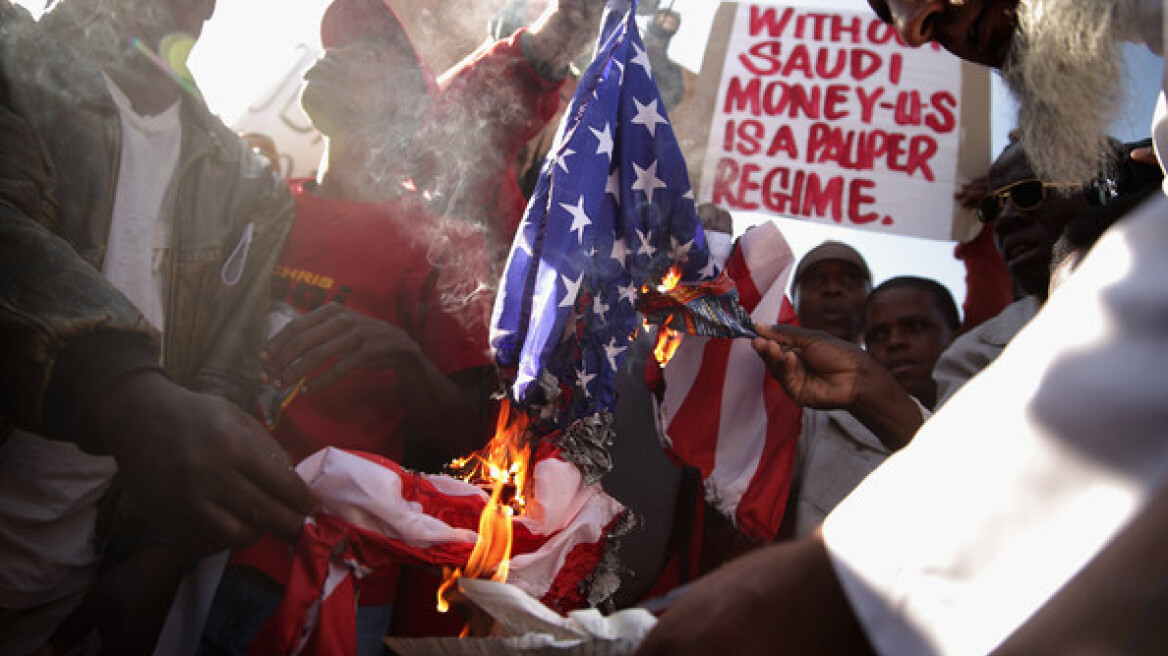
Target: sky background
x,y
249,44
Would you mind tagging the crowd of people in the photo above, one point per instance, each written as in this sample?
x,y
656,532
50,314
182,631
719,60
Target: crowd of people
x,y
181,326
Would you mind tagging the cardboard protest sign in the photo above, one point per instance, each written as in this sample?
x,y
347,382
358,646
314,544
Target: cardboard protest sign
x,y
827,116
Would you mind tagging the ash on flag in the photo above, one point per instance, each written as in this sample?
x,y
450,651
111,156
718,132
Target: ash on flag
x,y
613,212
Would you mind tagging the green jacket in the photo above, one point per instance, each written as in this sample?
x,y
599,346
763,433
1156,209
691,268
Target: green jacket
x,y
60,144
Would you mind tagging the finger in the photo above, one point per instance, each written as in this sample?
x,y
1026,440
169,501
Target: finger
x,y
269,471
771,352
317,359
1145,155
259,511
215,526
282,348
300,346
295,325
791,336
334,373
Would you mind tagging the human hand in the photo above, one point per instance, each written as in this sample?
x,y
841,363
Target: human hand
x,y
823,372
564,30
715,218
580,13
337,334
970,194
128,606
1145,155
198,465
814,368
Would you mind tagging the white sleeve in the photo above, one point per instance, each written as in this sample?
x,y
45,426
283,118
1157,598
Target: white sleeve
x,y
1028,471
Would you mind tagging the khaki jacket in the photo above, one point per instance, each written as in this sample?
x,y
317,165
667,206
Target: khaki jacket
x,y
60,144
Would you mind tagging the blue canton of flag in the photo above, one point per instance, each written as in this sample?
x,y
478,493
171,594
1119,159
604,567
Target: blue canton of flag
x,y
612,211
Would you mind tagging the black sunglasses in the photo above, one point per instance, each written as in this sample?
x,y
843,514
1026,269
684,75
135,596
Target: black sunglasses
x,y
1025,194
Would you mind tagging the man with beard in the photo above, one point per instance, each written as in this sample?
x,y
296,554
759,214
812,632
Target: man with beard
x,y
1060,58
1027,215
136,238
1028,515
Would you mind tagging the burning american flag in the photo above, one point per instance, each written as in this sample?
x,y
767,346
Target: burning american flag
x,y
612,215
613,212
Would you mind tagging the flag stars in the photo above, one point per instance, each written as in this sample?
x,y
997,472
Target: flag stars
x,y
522,244
611,351
648,116
642,59
647,180
583,379
646,247
620,250
605,138
599,307
580,218
562,160
571,291
628,293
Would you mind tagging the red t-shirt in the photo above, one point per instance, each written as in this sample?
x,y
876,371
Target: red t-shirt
x,y
394,261
400,263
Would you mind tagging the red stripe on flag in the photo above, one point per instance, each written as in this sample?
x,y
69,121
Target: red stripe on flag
x,y
760,511
696,420
737,268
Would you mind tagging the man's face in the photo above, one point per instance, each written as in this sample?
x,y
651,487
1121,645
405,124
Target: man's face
x,y
362,85
1060,59
831,296
979,31
1025,236
906,334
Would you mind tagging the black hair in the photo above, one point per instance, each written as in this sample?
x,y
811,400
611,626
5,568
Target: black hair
x,y
1127,184
941,295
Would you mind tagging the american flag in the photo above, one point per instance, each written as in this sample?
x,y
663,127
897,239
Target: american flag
x,y
613,211
723,414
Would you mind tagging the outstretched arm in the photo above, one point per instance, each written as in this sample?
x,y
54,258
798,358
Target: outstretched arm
x,y
783,599
563,31
820,371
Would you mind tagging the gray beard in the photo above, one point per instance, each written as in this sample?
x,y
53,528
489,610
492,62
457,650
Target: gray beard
x,y
1066,70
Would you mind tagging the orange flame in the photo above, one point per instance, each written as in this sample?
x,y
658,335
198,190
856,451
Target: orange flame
x,y
503,465
672,277
668,339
